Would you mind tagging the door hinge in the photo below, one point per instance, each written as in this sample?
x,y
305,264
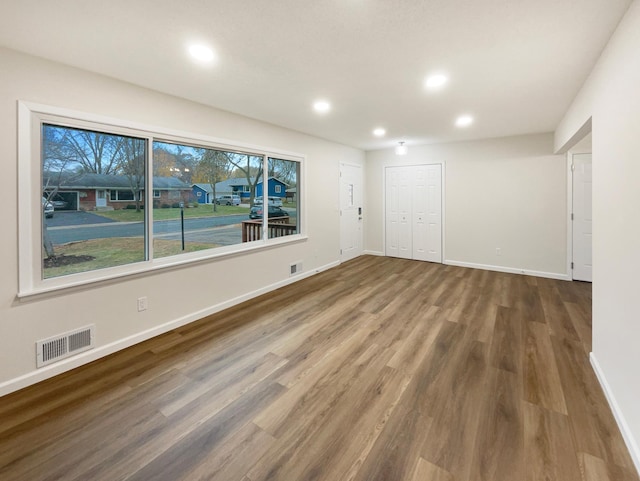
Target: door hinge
x,y
572,216
573,167
572,265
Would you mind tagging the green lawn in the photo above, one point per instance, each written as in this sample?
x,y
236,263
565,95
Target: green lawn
x,y
115,252
130,215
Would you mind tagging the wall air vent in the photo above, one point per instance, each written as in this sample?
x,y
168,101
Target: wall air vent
x,y
64,345
295,269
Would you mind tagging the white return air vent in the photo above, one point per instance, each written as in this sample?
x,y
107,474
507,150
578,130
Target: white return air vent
x,y
64,345
295,269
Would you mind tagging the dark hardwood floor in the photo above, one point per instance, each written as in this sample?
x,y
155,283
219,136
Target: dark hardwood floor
x,y
379,369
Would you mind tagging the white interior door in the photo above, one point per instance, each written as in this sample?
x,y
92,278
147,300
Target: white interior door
x,y
581,216
350,211
413,213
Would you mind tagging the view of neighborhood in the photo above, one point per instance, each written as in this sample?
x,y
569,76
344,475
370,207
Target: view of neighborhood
x,y
95,199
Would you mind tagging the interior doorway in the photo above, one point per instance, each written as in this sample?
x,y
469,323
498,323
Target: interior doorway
x,y
581,218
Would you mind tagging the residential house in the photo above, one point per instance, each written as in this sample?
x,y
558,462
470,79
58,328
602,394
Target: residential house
x,y
203,193
89,191
276,188
237,186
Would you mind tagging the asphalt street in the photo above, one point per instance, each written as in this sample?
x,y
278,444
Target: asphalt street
x,y
168,229
67,227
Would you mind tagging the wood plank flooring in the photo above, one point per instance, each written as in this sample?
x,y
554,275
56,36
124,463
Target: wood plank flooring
x,y
379,369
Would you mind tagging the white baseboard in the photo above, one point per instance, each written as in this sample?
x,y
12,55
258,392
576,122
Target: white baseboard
x,y
86,357
509,270
373,253
627,435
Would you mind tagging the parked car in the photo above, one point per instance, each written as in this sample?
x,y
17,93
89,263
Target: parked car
x,y
228,200
274,201
59,204
47,208
257,211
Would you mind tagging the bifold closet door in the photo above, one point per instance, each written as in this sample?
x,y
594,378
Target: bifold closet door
x,y
413,216
398,213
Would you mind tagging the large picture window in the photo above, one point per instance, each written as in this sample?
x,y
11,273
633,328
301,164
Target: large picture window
x,y
91,163
118,199
223,206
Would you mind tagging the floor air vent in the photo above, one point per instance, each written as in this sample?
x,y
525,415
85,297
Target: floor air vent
x,y
64,345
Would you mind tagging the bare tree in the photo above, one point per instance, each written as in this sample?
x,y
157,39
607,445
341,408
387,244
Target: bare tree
x,y
284,170
252,172
185,162
132,162
213,167
95,152
58,162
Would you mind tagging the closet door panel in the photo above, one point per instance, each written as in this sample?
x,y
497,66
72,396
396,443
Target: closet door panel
x,y
434,213
392,228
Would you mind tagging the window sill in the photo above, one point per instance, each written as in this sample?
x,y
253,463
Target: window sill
x,y
113,274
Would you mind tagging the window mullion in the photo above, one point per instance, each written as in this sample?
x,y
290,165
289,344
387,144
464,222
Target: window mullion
x,y
265,198
148,200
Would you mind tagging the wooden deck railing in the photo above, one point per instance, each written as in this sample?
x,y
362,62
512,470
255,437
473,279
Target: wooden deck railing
x,y
277,227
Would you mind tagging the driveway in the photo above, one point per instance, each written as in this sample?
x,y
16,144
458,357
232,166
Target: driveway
x,y
66,218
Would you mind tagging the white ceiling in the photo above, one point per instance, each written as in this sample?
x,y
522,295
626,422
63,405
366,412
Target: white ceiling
x,y
515,65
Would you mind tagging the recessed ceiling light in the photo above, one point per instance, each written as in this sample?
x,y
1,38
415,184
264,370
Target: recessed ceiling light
x,y
321,106
435,81
379,132
201,53
464,121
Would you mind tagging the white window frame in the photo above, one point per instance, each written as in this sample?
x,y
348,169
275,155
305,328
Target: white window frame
x,y
30,119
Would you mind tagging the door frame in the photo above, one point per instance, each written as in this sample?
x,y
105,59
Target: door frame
x,y
443,177
361,167
570,154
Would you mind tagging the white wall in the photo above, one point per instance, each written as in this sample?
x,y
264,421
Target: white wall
x,y
508,193
611,98
174,295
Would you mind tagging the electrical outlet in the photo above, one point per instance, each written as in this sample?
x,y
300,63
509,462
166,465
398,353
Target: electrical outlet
x,y
142,304
498,251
